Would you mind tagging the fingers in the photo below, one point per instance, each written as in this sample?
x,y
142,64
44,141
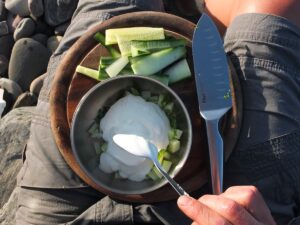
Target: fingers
x,y
250,198
229,209
200,213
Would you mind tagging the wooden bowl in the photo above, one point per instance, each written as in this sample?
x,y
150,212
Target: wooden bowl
x,y
69,87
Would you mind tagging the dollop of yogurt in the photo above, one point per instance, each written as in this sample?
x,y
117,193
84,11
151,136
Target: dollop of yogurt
x,y
132,115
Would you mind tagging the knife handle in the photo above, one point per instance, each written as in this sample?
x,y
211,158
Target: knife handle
x,y
215,145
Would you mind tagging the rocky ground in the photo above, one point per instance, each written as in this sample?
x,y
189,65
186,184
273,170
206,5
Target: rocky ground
x,y
30,31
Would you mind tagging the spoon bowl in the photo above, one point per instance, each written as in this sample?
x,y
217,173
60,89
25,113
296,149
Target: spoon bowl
x,y
139,146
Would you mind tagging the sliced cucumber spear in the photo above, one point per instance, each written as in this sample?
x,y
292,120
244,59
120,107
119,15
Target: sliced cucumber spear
x,y
115,68
142,47
155,62
88,72
101,39
178,71
134,33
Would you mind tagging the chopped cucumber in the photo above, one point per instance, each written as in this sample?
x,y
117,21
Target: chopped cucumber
x,y
115,68
146,95
134,33
169,107
88,72
103,147
157,61
106,61
166,166
93,128
133,60
161,78
97,148
161,100
175,134
153,176
101,39
124,46
138,47
178,71
174,145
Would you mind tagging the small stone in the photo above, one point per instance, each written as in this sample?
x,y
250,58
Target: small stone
x,y
53,42
3,28
29,59
36,7
42,38
61,29
24,29
11,87
25,99
6,45
18,7
3,65
3,11
58,12
36,85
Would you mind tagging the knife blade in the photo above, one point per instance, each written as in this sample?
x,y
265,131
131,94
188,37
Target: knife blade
x,y
213,90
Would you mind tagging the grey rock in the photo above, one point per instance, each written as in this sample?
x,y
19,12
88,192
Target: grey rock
x,y
42,38
25,99
36,7
8,211
58,12
18,7
3,28
53,42
3,65
36,85
3,11
11,87
61,29
42,27
6,43
24,29
14,133
29,59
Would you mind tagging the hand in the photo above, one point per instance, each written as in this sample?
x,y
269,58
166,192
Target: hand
x,y
223,12
238,205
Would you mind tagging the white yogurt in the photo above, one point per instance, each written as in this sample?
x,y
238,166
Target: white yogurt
x,y
132,115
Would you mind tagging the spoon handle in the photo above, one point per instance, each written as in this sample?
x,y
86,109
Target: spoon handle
x,y
173,183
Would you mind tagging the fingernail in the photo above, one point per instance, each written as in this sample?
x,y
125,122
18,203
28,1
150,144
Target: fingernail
x,y
184,201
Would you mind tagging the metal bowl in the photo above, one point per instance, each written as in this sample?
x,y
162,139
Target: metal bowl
x,y
106,94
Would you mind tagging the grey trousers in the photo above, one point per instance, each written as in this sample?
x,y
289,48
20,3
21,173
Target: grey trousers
x,y
265,51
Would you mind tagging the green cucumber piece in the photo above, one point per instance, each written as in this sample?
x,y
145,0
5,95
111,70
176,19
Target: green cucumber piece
x,y
97,148
175,134
168,108
166,164
154,45
88,72
174,146
133,33
161,78
153,176
178,71
146,95
106,61
157,61
101,39
115,68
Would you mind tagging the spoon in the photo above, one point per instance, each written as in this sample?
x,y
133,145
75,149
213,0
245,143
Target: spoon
x,y
138,146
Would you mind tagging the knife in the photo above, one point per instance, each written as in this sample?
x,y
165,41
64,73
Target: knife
x,y
213,90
